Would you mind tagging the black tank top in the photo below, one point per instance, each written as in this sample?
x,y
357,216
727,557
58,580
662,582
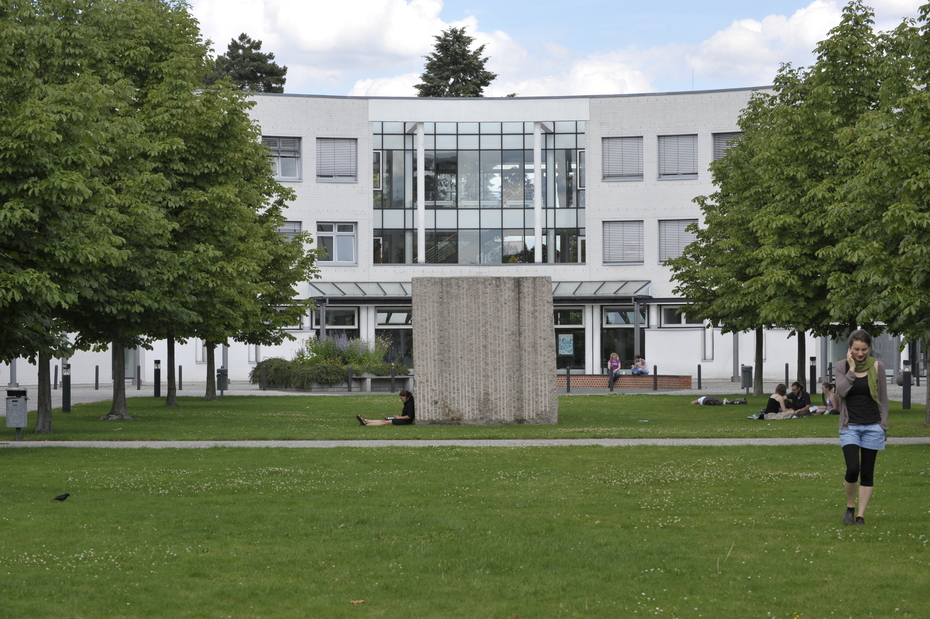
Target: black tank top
x,y
860,406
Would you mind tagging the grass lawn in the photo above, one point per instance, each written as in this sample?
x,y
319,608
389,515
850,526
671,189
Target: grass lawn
x,y
721,532
333,417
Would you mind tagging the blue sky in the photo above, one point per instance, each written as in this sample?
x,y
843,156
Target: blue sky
x,y
538,48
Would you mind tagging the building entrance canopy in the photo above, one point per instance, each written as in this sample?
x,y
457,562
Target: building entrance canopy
x,y
562,292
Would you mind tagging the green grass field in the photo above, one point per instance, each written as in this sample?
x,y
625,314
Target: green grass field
x,y
463,532
333,417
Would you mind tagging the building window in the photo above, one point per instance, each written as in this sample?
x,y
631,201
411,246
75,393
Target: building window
x,y
290,229
581,169
673,237
569,323
341,322
394,324
337,160
678,156
284,157
622,159
674,316
376,169
724,142
338,242
618,333
623,242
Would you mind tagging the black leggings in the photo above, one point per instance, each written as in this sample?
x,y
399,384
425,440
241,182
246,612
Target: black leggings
x,y
854,470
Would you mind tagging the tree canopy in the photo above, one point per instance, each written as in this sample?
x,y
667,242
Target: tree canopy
x,y
830,181
453,69
248,67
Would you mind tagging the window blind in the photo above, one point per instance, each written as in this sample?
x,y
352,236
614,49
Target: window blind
x,y
623,241
673,237
677,156
622,158
337,158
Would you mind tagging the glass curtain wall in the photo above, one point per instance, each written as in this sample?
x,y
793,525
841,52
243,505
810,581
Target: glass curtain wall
x,y
479,192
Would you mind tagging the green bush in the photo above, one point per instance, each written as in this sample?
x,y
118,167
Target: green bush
x,y
326,361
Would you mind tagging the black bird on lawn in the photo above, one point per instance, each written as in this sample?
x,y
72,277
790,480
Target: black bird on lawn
x,y
61,497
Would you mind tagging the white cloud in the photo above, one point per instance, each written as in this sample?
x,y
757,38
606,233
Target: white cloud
x,y
376,47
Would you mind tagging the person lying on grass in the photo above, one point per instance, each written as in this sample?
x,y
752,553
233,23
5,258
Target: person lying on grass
x,y
405,418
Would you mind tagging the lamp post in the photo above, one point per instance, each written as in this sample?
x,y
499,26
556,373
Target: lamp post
x,y
66,387
157,378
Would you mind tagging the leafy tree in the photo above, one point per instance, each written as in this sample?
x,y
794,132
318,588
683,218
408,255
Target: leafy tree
x,y
888,195
453,69
714,272
72,155
797,168
248,67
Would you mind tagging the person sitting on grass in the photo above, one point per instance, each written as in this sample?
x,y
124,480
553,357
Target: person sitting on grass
x,y
405,418
777,405
799,401
830,398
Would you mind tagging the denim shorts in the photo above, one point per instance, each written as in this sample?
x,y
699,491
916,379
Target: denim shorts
x,y
870,437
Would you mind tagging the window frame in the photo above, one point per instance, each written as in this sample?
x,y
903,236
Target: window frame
x,y
336,160
628,152
666,235
681,320
278,149
628,253
335,234
677,159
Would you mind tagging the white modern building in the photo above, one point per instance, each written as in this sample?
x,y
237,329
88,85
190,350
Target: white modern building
x,y
593,191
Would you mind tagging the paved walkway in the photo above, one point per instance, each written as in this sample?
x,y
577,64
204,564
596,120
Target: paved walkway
x,y
87,393
555,442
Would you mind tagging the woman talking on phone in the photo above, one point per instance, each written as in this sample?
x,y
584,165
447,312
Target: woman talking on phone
x,y
863,406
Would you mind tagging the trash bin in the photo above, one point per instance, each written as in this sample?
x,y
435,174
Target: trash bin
x,y
746,377
16,408
222,379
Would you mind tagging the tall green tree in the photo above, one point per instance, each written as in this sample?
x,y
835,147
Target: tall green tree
x,y
248,67
453,69
798,171
72,155
888,195
714,272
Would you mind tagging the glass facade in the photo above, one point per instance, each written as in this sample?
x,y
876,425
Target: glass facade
x,y
479,192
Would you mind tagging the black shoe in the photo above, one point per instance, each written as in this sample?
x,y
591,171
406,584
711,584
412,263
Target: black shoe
x,y
860,520
848,516
361,420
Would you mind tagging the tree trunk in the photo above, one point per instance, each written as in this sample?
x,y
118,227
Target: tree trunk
x,y
210,395
172,382
758,388
44,397
118,409
802,361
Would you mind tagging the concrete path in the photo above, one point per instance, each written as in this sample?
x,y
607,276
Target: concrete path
x,y
556,442
87,393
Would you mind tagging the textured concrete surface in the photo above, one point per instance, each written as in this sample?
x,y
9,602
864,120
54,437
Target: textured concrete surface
x,y
485,351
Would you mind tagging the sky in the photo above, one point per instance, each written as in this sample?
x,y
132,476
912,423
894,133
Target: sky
x,y
539,47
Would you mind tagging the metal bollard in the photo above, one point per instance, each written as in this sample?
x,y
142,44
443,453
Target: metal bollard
x,y
66,388
180,379
157,378
906,394
787,382
392,378
655,378
699,376
55,386
96,378
138,378
813,376
349,379
568,378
